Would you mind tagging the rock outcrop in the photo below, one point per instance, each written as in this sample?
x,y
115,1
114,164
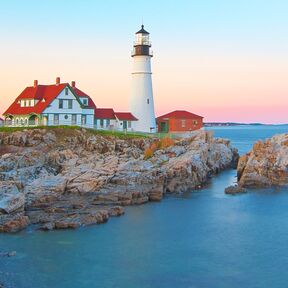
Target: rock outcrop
x,y
66,178
266,165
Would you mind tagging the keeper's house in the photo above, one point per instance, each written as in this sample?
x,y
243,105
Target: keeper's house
x,y
63,104
179,121
48,105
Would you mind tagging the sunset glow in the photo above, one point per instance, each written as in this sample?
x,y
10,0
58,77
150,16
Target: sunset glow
x,y
224,61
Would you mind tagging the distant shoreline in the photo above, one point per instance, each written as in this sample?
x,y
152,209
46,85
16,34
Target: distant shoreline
x,y
213,124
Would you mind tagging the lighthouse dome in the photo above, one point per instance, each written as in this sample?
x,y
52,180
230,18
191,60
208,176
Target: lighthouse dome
x,y
142,30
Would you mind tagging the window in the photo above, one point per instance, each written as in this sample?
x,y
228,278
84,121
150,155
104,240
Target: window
x,y
60,104
101,123
70,104
66,91
74,119
183,123
195,122
83,120
85,102
107,122
147,101
56,119
66,117
129,124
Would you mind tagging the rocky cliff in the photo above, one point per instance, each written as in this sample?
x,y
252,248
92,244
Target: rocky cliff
x,y
266,165
65,178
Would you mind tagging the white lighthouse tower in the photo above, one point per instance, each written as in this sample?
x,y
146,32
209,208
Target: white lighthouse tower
x,y
141,102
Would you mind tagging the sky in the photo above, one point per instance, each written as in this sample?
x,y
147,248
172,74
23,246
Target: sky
x,y
226,60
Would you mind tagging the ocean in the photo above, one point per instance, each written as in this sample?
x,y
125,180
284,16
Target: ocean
x,y
199,239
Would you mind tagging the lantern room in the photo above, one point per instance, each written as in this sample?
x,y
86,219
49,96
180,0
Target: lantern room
x,y
142,43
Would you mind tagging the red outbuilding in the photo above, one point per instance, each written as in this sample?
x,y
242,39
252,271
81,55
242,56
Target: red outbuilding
x,y
179,121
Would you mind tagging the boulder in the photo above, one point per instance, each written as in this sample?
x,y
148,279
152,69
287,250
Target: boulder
x,y
266,164
11,199
235,189
13,223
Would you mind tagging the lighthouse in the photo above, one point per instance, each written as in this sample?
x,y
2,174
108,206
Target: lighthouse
x,y
142,102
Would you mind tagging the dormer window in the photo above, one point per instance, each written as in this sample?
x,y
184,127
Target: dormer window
x,y
66,91
85,102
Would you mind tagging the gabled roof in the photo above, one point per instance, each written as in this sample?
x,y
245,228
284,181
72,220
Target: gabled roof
x,y
180,114
44,93
125,116
80,94
104,113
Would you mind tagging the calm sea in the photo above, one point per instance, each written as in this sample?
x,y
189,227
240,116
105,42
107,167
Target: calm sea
x,y
200,239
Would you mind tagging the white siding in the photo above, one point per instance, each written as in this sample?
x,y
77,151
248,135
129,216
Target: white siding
x,y
65,113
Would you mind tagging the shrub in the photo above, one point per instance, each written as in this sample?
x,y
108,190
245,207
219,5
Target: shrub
x,y
148,153
165,142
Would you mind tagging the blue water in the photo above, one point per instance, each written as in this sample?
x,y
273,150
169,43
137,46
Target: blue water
x,y
198,240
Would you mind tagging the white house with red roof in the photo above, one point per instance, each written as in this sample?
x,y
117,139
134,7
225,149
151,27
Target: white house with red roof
x,y
106,118
48,105
63,104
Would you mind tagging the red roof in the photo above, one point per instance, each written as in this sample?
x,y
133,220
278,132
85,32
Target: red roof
x,y
104,113
44,93
182,114
80,93
125,116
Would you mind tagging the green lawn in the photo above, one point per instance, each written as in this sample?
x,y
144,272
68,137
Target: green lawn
x,y
119,134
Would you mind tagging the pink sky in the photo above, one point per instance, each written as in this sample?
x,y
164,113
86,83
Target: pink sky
x,y
213,64
218,87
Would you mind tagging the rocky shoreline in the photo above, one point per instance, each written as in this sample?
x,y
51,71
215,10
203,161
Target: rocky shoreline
x,y
66,178
266,165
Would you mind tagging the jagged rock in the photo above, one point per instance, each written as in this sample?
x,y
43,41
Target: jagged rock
x,y
11,199
13,222
266,164
236,189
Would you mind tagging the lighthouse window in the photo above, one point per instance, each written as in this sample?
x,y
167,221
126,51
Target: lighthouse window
x,y
147,101
183,123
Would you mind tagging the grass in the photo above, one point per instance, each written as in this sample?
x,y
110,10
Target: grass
x,y
65,129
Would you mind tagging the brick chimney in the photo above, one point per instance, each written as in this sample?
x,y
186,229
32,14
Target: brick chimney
x,y
57,81
73,84
35,83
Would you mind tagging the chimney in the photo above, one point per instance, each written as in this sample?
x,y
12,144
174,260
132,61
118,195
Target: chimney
x,y
57,81
35,83
73,84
